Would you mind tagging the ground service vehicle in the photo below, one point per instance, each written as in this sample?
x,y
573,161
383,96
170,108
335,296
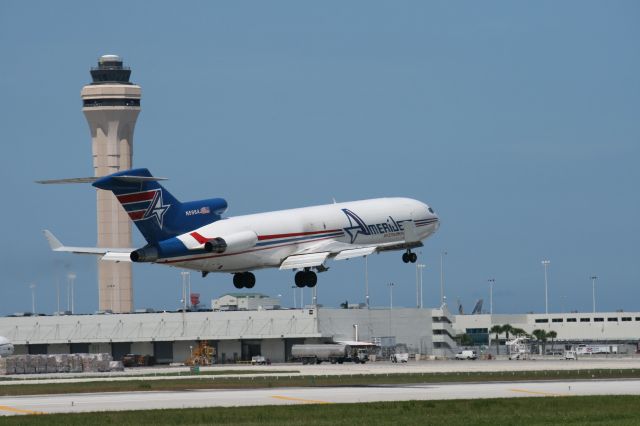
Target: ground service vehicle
x,y
400,357
596,349
334,353
466,355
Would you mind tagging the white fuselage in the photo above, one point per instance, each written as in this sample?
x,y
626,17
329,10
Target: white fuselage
x,y
332,227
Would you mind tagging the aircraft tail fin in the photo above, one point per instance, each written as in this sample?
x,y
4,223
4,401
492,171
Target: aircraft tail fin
x,y
155,212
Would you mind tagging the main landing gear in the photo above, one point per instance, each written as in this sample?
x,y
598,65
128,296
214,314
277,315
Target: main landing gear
x,y
244,280
306,278
409,256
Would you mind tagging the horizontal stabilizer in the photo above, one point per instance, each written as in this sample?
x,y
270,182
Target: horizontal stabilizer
x,y
348,254
300,261
123,178
107,253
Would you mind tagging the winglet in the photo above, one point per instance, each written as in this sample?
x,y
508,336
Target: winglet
x,y
54,243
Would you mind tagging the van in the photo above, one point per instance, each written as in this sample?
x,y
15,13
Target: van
x,y
466,355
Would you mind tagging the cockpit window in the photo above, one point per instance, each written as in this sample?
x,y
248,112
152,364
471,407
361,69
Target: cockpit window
x,y
431,211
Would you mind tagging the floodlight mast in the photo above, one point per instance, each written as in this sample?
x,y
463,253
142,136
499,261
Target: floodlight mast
x,y
546,263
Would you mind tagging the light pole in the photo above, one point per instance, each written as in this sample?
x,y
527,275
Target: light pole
x,y
71,277
421,266
593,291
32,286
390,295
186,289
295,303
442,255
58,294
314,294
546,263
366,280
491,282
417,287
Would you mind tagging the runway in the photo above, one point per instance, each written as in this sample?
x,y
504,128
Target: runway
x,y
73,403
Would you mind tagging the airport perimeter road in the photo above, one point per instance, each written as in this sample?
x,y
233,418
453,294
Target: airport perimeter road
x,y
249,397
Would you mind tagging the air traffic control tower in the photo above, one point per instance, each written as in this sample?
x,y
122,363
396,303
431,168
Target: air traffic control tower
x,y
111,105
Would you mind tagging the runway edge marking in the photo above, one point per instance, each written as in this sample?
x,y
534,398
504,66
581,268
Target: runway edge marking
x,y
18,410
306,401
539,392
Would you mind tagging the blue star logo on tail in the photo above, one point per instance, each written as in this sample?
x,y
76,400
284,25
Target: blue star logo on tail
x,y
360,226
157,209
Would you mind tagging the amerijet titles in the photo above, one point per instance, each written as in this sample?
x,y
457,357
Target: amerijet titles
x,y
360,227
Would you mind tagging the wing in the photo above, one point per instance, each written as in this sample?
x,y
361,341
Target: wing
x,y
316,255
111,254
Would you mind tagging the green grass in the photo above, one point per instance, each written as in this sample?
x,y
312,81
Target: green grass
x,y
589,410
213,382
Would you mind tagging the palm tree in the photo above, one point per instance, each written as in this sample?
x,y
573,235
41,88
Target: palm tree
x,y
518,332
506,329
541,336
498,330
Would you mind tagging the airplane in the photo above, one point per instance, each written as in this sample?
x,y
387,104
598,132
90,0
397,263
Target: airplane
x,y
6,347
194,235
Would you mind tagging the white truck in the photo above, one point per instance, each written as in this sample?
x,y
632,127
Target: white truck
x,y
333,353
596,349
401,354
466,355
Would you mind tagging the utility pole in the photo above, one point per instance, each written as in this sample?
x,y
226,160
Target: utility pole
x,y
546,263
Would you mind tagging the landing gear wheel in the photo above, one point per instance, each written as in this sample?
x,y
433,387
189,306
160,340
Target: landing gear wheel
x,y
311,279
238,281
300,279
244,280
249,280
413,257
405,257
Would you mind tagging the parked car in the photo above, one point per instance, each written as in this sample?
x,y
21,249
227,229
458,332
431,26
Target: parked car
x,y
258,360
400,357
467,355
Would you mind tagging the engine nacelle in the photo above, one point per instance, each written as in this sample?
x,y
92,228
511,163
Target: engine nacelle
x,y
216,245
233,242
145,254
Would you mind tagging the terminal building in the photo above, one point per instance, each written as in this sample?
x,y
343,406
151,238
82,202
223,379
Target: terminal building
x,y
242,325
236,335
619,328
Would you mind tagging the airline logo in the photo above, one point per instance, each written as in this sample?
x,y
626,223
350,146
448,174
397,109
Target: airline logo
x,y
145,205
357,226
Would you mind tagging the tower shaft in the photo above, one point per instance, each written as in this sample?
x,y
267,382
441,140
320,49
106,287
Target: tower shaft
x,y
111,106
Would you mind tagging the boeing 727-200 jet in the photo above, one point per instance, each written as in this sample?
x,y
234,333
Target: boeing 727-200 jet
x,y
194,235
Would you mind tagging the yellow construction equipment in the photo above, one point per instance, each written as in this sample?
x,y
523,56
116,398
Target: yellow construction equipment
x,y
202,355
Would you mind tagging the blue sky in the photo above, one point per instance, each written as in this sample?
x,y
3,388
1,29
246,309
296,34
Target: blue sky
x,y
517,121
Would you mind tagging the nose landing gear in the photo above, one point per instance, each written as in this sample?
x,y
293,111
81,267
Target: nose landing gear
x,y
306,278
409,256
244,280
